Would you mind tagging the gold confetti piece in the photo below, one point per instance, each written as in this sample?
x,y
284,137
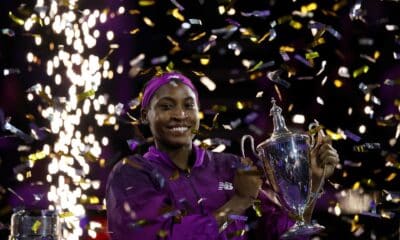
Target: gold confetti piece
x,y
146,3
312,55
134,31
102,162
317,41
176,14
278,92
368,182
170,66
257,66
390,177
333,135
44,96
112,47
198,36
132,163
89,156
204,61
361,70
86,94
134,12
66,214
239,105
286,49
284,19
94,200
199,74
257,208
377,54
16,19
36,226
175,43
339,5
215,121
263,37
163,233
174,176
356,185
338,83
295,24
308,8
256,75
36,156
148,22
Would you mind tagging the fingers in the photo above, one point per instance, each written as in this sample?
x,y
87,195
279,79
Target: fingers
x,y
328,158
246,161
328,155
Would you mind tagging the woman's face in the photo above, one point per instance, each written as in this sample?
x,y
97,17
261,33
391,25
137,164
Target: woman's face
x,y
173,115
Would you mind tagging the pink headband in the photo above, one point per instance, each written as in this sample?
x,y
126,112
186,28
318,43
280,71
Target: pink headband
x,y
156,82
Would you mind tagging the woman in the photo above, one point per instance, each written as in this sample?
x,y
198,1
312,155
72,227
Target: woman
x,y
179,191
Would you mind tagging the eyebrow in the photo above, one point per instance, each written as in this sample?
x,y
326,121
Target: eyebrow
x,y
173,99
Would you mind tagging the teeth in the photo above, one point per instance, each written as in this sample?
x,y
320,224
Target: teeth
x,y
179,129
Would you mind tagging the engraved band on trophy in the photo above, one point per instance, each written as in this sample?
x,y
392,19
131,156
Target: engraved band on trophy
x,y
286,163
34,225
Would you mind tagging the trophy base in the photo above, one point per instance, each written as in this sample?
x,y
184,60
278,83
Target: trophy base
x,y
302,229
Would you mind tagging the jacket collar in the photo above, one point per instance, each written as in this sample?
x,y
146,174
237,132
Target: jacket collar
x,y
157,156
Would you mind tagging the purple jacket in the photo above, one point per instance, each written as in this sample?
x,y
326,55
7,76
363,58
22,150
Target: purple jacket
x,y
150,198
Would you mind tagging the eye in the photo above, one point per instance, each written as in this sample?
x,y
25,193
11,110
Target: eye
x,y
190,105
166,106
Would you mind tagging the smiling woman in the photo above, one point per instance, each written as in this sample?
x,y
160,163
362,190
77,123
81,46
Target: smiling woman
x,y
178,190
172,114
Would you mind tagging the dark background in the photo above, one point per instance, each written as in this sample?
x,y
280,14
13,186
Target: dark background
x,y
224,66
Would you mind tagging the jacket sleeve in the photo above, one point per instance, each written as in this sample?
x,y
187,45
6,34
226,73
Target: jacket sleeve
x,y
138,207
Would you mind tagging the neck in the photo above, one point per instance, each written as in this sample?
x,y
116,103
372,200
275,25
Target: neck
x,y
180,156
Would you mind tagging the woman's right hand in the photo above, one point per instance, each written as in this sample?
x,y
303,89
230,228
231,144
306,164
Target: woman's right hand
x,y
247,184
247,181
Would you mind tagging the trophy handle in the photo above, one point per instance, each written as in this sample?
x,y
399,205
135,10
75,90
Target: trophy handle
x,y
315,133
242,142
259,163
266,168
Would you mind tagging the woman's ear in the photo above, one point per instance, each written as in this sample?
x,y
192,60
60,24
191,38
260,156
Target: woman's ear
x,y
143,116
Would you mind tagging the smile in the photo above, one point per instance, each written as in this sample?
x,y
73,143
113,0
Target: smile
x,y
179,129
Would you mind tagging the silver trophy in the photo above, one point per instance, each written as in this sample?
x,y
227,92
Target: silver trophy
x,y
34,225
286,164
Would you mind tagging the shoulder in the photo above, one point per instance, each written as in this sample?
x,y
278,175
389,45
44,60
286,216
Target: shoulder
x,y
128,169
128,164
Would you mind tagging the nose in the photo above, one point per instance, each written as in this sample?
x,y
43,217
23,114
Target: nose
x,y
179,113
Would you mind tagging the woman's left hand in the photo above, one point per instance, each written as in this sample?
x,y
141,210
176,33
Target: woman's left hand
x,y
323,154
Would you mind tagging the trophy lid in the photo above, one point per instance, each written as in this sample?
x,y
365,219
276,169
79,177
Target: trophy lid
x,y
279,123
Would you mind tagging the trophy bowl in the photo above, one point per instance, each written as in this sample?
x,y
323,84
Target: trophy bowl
x,y
286,162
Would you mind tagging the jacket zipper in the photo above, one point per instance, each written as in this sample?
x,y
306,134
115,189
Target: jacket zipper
x,y
187,174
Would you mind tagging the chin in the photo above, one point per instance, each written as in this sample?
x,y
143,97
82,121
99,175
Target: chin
x,y
177,144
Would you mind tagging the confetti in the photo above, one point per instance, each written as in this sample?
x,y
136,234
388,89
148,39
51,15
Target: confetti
x,y
8,32
274,76
352,136
366,147
256,13
10,71
16,19
178,5
36,225
5,125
